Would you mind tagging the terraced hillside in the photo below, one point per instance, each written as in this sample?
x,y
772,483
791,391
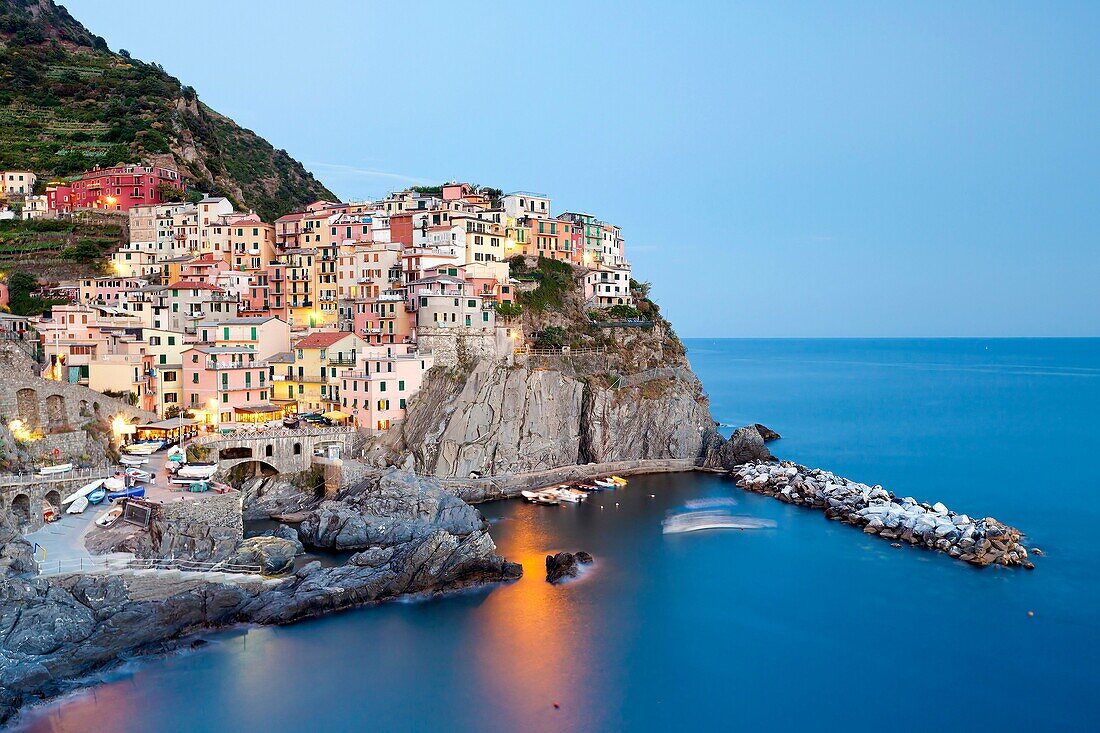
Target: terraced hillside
x,y
67,103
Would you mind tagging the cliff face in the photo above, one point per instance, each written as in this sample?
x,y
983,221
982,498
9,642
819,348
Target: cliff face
x,y
529,417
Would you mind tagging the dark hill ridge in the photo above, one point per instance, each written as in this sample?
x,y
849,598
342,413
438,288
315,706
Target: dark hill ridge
x,y
67,103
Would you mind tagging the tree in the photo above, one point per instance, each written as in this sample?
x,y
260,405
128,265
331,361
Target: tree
x,y
551,337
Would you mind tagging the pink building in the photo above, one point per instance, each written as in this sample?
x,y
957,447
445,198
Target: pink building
x,y
378,389
223,382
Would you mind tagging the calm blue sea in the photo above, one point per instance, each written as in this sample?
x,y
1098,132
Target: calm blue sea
x,y
810,624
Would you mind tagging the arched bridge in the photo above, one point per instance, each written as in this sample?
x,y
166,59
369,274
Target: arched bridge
x,y
286,450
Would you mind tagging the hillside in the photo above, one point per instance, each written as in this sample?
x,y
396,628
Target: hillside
x,y
67,103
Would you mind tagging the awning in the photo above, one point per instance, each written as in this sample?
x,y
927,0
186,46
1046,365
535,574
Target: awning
x,y
261,408
169,424
336,415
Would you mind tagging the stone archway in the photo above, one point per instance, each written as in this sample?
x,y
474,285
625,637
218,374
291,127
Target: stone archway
x,y
21,509
231,454
53,497
55,412
241,472
84,410
26,404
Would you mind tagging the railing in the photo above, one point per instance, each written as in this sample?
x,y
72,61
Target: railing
x,y
104,564
261,433
563,351
211,364
77,474
342,361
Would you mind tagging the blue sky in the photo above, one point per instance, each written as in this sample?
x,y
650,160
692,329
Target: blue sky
x,y
778,169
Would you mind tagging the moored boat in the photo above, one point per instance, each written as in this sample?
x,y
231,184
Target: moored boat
x,y
78,506
144,448
135,492
57,468
82,491
133,460
605,484
197,470
109,517
619,480
97,495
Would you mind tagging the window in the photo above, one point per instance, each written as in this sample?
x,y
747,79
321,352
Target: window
x,y
171,340
401,403
401,385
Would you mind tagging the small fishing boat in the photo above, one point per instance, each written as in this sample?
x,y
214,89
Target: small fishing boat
x,y
82,491
135,492
114,484
78,506
197,470
588,487
133,460
57,468
531,496
109,517
619,480
136,474
50,512
605,484
571,495
97,495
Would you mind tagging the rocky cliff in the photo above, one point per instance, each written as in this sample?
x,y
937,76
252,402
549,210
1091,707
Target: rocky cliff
x,y
55,630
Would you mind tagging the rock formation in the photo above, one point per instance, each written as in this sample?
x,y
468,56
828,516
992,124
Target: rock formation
x,y
878,511
564,565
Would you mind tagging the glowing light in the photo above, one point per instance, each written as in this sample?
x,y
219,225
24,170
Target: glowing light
x,y
110,200
22,433
510,243
121,426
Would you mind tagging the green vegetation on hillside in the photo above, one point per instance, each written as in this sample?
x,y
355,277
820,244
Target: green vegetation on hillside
x,y
68,103
21,298
87,242
554,280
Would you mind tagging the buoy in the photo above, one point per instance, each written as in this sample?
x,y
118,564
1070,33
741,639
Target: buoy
x,y
1030,613
556,706
652,496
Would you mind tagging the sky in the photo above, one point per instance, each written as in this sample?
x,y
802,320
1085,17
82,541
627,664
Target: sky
x,y
778,169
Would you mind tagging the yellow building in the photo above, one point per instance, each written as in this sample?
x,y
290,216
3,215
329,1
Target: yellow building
x,y
311,378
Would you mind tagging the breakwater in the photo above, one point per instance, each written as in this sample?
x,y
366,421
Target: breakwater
x,y
879,512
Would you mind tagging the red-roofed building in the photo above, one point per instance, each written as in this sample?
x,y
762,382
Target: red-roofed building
x,y
311,378
113,189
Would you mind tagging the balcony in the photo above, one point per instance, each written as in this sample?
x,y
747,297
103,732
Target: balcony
x,y
342,360
212,364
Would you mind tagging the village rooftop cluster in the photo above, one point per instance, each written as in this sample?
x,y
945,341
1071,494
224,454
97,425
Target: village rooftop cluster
x,y
337,309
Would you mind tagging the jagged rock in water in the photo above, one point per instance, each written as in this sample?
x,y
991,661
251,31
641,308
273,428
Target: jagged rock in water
x,y
767,433
265,497
565,565
746,445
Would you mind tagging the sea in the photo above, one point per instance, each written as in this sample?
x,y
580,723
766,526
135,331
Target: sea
x,y
810,625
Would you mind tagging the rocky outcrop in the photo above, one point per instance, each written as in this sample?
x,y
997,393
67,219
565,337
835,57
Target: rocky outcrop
x,y
878,511
519,419
273,555
414,537
16,554
745,445
395,508
264,496
565,565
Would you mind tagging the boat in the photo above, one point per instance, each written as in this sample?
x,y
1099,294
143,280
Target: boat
x,y
78,506
133,460
531,496
50,512
197,470
109,517
57,468
619,480
571,495
605,484
135,492
144,448
545,496
136,474
82,491
588,487
97,495
199,487
114,484
711,519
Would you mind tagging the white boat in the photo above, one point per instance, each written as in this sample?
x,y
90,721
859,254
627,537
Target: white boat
x,y
711,519
133,460
571,495
532,496
109,517
197,470
138,475
78,506
606,484
114,484
59,468
146,448
83,491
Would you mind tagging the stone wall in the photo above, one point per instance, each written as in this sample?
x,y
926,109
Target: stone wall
x,y
51,406
450,346
200,529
